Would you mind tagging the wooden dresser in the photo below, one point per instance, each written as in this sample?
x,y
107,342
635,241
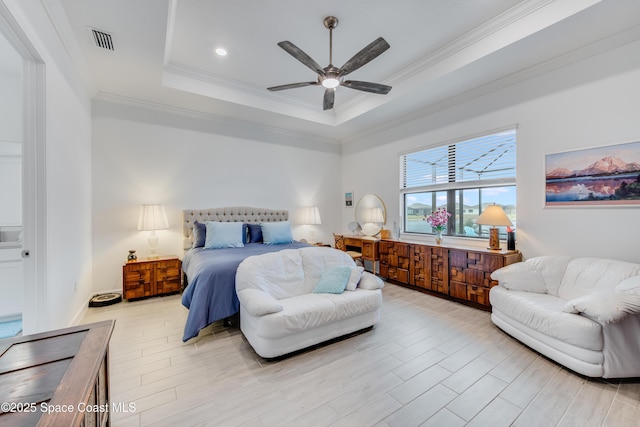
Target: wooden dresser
x,y
151,277
367,246
458,272
56,378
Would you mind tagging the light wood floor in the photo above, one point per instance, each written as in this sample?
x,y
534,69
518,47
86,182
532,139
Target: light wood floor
x,y
427,362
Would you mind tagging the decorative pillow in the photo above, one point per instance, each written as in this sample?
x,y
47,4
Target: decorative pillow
x,y
333,280
223,235
255,233
520,277
608,306
276,233
258,303
354,278
199,234
370,281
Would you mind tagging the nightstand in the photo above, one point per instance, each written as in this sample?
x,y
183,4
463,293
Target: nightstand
x,y
151,277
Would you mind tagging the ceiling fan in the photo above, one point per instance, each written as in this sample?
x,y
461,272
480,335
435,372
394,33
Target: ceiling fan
x,y
331,77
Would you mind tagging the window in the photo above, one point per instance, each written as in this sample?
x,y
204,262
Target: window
x,y
463,177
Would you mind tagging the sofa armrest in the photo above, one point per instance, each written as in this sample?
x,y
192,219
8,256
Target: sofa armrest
x,y
258,303
606,307
370,281
520,276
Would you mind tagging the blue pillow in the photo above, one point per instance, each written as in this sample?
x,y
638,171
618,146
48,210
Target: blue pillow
x,y
255,233
245,233
276,233
199,234
333,280
223,235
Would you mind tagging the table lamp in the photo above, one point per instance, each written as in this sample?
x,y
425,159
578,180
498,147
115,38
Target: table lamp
x,y
494,216
152,218
311,217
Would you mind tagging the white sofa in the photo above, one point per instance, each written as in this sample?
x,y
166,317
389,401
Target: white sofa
x,y
280,313
584,313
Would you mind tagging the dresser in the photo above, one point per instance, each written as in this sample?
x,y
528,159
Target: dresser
x,y
57,378
151,277
457,272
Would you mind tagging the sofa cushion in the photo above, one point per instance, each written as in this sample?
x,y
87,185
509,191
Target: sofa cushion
x,y
520,276
552,268
370,281
543,312
309,311
316,260
587,275
278,274
333,280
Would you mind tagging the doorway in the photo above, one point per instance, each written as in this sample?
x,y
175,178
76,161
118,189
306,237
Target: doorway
x,y
22,180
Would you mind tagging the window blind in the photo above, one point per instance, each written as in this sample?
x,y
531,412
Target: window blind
x,y
489,157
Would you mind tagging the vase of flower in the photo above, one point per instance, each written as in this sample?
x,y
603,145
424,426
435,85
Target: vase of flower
x,y
438,221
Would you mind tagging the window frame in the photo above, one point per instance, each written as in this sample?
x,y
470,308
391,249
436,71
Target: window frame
x,y
450,188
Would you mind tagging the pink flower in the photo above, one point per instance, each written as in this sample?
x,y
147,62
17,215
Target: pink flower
x,y
439,218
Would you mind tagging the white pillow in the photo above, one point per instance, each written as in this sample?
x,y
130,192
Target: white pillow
x,y
223,235
370,281
258,303
607,306
354,278
520,277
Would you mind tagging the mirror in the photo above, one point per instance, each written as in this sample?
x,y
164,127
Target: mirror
x,y
371,213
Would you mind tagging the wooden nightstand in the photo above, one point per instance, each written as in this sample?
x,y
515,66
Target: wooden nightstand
x,y
151,277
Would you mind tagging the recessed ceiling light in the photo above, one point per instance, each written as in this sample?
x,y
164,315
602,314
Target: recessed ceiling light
x,y
221,51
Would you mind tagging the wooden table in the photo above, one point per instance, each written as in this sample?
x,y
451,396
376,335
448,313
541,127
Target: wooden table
x,y
56,378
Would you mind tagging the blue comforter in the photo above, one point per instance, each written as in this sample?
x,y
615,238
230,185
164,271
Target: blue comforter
x,y
211,293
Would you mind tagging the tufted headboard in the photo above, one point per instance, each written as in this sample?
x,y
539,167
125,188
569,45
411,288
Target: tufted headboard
x,y
230,214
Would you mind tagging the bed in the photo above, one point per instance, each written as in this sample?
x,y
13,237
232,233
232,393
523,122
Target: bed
x,y
210,293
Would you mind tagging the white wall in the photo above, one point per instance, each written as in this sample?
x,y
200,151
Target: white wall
x,y
142,156
591,103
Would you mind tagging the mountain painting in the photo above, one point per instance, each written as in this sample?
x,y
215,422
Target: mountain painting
x,y
595,176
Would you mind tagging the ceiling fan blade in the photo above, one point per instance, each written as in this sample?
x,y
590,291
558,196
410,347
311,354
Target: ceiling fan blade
x,y
367,87
297,53
329,97
292,86
370,52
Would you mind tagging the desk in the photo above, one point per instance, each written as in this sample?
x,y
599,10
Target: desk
x,y
367,246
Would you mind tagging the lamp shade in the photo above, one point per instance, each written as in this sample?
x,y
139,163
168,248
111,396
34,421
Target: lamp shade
x,y
152,217
374,215
494,215
311,216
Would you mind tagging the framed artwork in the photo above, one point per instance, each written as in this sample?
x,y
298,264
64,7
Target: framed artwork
x,y
348,199
601,176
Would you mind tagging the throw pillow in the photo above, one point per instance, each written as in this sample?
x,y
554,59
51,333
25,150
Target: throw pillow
x,y
370,281
333,280
199,234
354,278
276,233
607,307
630,284
223,235
255,233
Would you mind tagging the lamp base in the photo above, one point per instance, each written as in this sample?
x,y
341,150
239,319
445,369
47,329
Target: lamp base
x,y
494,239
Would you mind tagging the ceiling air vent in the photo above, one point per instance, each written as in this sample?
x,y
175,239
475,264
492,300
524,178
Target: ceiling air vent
x,y
102,39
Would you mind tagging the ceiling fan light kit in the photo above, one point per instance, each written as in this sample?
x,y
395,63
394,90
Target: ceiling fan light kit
x,y
331,77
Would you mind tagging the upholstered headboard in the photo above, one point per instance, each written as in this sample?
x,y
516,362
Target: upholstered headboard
x,y
230,214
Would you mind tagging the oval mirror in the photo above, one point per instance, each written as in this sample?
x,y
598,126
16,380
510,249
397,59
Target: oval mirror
x,y
371,213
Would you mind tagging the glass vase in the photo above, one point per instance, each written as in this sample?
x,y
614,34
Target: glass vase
x,y
438,237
